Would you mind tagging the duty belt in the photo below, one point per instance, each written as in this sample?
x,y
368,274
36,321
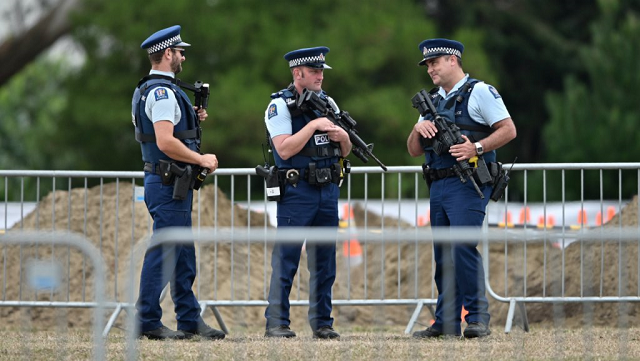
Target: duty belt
x,y
317,176
431,174
149,167
437,174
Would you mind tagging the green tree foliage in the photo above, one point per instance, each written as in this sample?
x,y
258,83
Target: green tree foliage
x,y
531,44
596,119
31,105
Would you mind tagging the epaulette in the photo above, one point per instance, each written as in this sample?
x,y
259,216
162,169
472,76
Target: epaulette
x,y
277,94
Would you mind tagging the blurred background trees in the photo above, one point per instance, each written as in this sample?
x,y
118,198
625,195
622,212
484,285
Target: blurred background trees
x,y
564,68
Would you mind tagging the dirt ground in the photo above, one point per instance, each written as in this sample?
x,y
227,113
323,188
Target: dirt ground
x,y
118,226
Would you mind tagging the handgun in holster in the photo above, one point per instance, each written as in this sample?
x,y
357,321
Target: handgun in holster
x,y
183,181
270,175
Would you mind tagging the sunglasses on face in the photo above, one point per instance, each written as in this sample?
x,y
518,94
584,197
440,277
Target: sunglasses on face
x,y
181,51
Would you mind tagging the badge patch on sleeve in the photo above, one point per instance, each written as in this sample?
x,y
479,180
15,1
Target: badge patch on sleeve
x,y
160,94
494,92
273,111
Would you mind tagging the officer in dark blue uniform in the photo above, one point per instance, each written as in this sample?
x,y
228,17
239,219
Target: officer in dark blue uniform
x,y
308,150
478,110
168,129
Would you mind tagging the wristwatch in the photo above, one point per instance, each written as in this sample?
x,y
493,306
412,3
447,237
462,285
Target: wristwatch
x,y
479,149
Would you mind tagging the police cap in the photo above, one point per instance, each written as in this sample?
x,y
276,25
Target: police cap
x,y
433,48
162,39
311,57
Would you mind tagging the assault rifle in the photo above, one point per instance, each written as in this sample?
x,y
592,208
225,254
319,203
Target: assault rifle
x,y
310,101
201,102
448,135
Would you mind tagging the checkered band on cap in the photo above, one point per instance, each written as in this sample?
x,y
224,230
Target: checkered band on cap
x,y
306,60
441,50
164,44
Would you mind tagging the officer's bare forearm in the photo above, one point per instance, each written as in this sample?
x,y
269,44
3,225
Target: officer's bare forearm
x,y
505,131
176,150
345,148
288,145
413,144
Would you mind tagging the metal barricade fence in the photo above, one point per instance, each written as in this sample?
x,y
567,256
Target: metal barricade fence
x,y
113,217
207,237
51,265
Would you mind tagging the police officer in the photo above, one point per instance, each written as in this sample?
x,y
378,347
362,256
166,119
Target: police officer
x,y
478,110
167,127
307,151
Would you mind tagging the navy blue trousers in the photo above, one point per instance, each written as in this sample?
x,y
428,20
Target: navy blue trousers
x,y
174,263
304,205
459,272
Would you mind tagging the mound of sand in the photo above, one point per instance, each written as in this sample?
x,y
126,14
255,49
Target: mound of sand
x,y
118,226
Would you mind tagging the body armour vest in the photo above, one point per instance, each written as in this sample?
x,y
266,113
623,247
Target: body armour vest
x,y
459,114
187,129
319,149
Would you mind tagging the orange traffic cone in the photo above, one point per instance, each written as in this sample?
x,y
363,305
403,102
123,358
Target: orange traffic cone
x,y
611,211
525,215
507,221
582,220
351,250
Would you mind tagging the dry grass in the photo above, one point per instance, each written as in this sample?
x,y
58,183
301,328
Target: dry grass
x,y
356,344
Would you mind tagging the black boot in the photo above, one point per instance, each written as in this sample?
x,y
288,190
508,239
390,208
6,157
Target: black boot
x,y
326,333
476,329
163,333
280,331
205,332
431,332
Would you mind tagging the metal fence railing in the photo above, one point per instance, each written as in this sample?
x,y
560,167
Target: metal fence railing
x,y
48,264
107,209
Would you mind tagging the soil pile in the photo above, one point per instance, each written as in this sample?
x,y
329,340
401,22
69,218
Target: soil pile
x,y
108,217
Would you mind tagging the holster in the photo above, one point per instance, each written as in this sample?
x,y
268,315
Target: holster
x,y
165,172
482,173
426,175
183,182
500,182
271,177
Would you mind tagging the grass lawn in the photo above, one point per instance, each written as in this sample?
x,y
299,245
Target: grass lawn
x,y
356,344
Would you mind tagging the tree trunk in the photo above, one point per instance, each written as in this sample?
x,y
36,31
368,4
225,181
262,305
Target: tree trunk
x,y
20,50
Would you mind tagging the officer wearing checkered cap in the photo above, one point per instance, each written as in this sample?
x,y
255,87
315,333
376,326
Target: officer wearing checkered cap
x,y
305,145
478,110
167,127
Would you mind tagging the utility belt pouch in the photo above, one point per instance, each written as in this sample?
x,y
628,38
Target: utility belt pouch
x,y
322,176
482,173
500,183
183,181
426,174
165,172
494,169
311,175
272,181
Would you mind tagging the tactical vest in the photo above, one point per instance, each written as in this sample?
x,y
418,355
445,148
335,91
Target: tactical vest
x,y
456,108
319,149
187,130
